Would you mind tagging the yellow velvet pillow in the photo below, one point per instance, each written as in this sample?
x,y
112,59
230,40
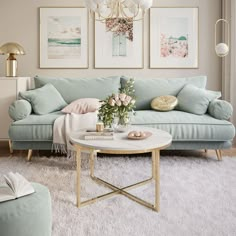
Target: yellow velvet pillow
x,y
164,103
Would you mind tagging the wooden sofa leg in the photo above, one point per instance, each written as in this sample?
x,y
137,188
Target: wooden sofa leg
x,y
29,156
219,155
10,146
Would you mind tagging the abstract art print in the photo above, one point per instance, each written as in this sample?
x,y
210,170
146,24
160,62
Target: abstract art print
x,y
63,38
119,43
174,38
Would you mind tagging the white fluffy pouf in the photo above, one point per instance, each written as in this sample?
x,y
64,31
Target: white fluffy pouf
x,y
197,195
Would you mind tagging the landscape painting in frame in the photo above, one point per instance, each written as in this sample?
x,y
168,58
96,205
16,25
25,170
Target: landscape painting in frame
x,y
174,38
119,43
63,38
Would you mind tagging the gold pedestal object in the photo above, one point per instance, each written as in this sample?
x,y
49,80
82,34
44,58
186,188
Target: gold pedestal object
x,y
11,49
11,66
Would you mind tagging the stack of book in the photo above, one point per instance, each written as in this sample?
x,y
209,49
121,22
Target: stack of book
x,y
99,136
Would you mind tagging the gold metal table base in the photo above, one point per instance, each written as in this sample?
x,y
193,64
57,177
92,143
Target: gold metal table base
x,y
117,190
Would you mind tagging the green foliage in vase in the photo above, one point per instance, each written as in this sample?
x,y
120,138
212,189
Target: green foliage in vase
x,y
118,105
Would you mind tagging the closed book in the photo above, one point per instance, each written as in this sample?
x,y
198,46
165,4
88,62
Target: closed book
x,y
99,136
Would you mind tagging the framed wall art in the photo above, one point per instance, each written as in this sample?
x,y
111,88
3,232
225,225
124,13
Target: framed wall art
x,y
118,43
63,37
174,38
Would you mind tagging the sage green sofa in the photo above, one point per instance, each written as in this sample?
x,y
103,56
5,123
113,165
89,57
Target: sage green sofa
x,y
189,131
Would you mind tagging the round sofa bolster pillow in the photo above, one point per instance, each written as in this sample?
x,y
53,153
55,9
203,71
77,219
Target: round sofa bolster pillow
x,y
220,109
19,110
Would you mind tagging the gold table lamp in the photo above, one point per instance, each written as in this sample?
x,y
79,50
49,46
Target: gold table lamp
x,y
11,49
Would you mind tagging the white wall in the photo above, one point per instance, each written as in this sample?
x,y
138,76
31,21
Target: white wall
x,y
19,22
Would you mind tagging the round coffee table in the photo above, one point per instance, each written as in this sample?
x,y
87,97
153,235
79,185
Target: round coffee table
x,y
122,145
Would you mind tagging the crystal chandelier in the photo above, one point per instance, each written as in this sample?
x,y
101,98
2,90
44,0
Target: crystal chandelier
x,y
122,9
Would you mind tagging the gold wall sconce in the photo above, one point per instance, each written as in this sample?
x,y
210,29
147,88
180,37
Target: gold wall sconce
x,y
222,49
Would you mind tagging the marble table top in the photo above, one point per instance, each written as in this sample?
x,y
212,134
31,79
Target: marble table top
x,y
158,140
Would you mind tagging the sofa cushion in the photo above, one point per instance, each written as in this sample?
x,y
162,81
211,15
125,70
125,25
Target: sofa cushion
x,y
19,109
220,109
34,128
73,89
164,103
82,106
147,89
185,126
44,100
195,100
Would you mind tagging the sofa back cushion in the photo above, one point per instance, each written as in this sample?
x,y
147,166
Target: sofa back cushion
x,y
44,100
72,89
195,100
147,89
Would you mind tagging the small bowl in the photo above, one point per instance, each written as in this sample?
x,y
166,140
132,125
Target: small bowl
x,y
139,135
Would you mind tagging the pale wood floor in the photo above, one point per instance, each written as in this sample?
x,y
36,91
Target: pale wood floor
x,y
4,151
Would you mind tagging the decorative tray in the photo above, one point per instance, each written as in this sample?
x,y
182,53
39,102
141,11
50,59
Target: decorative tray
x,y
139,135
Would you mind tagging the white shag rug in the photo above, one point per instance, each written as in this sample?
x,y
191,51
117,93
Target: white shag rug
x,y
198,196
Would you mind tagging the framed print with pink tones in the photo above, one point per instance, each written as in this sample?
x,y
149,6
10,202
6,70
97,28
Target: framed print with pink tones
x,y
174,38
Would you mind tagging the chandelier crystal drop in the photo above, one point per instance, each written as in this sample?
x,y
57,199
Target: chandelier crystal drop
x,y
126,9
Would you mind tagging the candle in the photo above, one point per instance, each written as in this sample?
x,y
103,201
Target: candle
x,y
99,127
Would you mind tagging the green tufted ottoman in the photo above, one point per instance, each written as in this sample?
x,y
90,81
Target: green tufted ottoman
x,y
27,216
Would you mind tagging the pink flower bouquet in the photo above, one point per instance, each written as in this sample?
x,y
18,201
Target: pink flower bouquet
x,y
119,106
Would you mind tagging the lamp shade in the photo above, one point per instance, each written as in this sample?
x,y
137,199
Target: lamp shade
x,y
98,1
139,2
90,4
12,48
147,4
222,49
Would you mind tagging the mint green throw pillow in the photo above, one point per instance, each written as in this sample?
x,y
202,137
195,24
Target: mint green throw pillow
x,y
220,109
44,100
195,100
19,110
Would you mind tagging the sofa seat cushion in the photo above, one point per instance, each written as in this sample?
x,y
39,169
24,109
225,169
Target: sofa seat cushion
x,y
185,126
34,128
182,126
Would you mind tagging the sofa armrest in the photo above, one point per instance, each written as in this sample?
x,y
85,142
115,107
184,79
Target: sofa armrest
x,y
220,109
19,110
